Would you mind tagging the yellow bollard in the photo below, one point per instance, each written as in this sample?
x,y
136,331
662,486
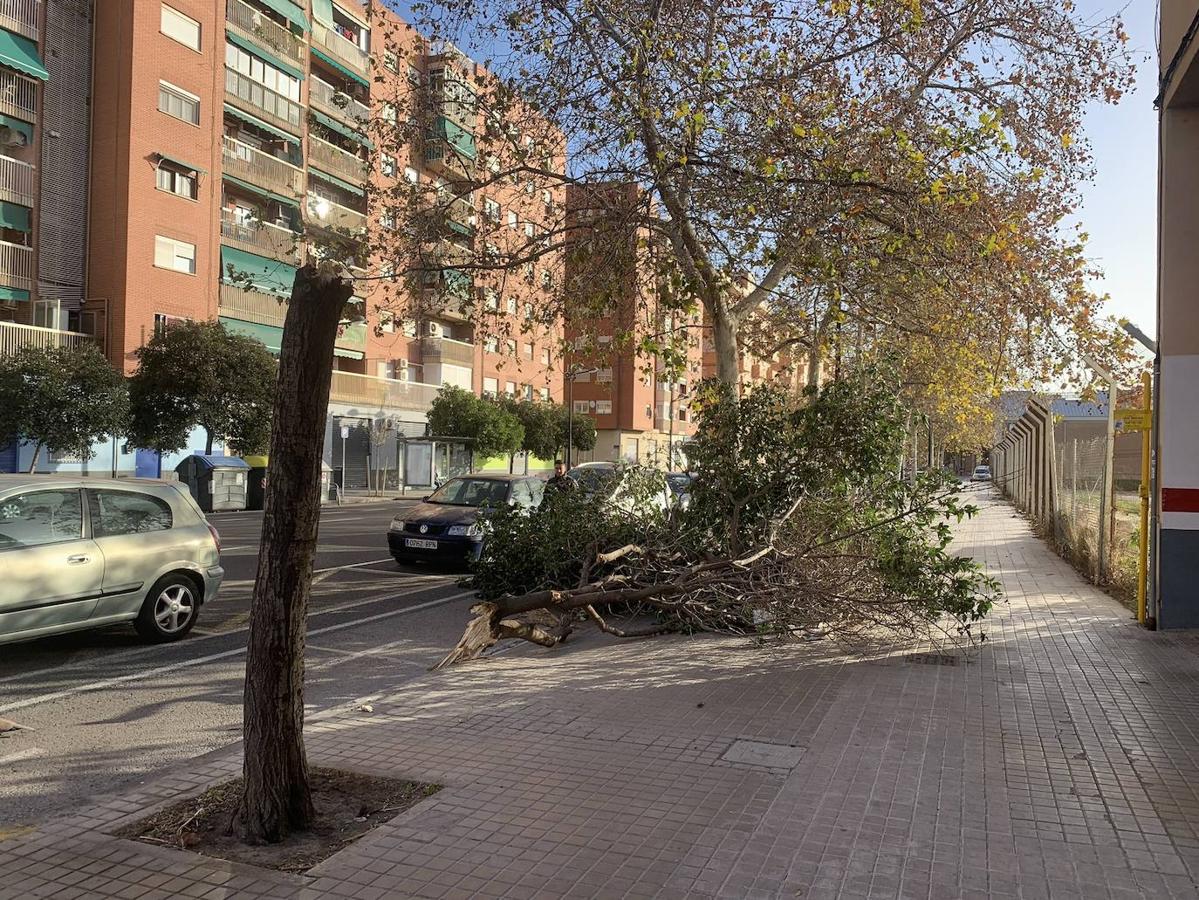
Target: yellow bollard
x,y
1143,561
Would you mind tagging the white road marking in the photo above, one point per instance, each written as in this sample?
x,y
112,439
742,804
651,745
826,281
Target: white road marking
x,y
426,582
212,657
31,753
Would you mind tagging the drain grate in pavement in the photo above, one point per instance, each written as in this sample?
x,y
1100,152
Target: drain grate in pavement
x,y
932,659
761,753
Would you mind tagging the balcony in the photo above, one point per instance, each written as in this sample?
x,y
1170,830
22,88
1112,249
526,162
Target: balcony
x,y
270,172
14,337
436,350
352,337
333,102
261,238
16,266
16,181
336,161
21,16
367,392
252,306
342,50
329,214
256,99
256,26
18,95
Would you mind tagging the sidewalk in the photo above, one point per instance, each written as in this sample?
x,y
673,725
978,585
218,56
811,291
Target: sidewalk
x,y
1060,761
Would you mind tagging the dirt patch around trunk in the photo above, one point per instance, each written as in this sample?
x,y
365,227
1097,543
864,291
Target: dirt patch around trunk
x,y
348,805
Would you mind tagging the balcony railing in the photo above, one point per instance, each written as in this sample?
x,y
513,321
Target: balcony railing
x,y
329,214
16,181
262,30
372,393
248,94
14,337
16,266
252,306
340,106
336,161
341,49
18,95
21,16
261,238
447,350
243,161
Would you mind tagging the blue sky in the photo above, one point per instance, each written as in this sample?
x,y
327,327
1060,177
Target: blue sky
x,y
1120,205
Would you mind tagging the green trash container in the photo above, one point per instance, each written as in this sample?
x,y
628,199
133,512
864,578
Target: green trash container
x,y
256,491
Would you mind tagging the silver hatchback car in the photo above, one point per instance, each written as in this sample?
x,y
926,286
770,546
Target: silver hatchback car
x,y
80,553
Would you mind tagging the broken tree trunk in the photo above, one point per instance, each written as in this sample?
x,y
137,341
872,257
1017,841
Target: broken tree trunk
x,y
276,798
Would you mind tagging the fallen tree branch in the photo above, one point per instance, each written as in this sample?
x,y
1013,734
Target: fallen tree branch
x,y
643,631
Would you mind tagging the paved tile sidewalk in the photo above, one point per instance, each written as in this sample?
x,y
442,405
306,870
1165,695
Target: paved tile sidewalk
x,y
1060,761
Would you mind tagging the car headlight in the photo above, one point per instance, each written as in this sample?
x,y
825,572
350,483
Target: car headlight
x,y
473,531
397,524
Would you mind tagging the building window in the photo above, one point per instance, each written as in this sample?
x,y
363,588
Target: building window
x,y
491,298
491,387
510,388
513,222
511,306
530,230
544,394
262,72
529,351
175,101
409,327
604,374
174,180
545,356
510,346
179,27
528,310
413,74
388,165
391,61
603,407
582,407
491,210
411,175
491,344
172,254
528,391
388,112
547,279
387,220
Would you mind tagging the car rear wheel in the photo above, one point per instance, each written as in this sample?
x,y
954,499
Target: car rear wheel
x,y
169,610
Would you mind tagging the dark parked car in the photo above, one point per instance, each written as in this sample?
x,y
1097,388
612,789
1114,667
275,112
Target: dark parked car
x,y
449,525
680,486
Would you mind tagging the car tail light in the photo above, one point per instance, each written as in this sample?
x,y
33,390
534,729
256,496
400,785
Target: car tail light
x,y
216,536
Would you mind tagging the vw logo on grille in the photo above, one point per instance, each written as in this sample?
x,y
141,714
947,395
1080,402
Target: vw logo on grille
x,y
424,529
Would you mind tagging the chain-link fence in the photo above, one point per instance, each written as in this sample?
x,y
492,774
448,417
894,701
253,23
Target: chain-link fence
x,y
1081,468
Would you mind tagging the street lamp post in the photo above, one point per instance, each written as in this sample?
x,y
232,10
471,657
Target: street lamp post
x,y
571,374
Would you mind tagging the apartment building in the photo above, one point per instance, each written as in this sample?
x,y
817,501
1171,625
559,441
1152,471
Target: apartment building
x,y
231,141
1177,546
641,406
45,72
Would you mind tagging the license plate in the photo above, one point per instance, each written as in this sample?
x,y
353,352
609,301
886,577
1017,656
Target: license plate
x,y
420,544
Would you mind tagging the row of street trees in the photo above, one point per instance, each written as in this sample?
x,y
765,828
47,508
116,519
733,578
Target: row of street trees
x,y
192,374
505,426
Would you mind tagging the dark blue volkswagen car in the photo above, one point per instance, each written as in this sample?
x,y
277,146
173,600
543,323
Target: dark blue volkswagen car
x,y
446,526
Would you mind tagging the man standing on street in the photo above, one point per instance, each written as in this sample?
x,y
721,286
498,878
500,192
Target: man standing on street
x,y
560,483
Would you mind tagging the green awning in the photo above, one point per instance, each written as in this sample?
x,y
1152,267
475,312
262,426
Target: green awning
x,y
20,53
266,275
11,293
17,125
322,11
254,50
340,67
349,354
456,136
341,128
262,192
333,179
270,335
14,216
181,163
289,11
258,123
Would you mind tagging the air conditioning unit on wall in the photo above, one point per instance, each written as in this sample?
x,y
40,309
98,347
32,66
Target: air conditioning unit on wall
x,y
434,329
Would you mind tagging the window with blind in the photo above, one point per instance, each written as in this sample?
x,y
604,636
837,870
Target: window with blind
x,y
179,27
175,101
179,256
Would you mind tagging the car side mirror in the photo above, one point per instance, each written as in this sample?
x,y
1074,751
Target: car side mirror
x,y
425,499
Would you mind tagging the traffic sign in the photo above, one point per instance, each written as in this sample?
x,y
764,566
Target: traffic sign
x,y
345,432
1134,419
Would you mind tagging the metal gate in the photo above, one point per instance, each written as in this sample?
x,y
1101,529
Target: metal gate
x,y
350,454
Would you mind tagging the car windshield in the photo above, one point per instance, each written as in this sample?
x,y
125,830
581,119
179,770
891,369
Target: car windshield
x,y
982,470
593,478
678,481
471,492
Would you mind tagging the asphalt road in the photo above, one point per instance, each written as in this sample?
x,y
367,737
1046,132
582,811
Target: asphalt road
x,y
106,710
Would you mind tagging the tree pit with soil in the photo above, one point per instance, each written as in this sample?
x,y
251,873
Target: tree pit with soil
x,y
348,805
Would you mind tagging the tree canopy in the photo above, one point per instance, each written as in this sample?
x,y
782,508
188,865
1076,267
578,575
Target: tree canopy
x,y
64,398
201,374
491,429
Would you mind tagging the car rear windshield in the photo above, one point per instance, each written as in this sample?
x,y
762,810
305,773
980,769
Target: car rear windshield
x,y
471,492
593,478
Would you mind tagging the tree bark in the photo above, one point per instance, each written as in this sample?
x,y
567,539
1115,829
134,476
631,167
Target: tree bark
x,y
276,798
724,340
37,452
207,441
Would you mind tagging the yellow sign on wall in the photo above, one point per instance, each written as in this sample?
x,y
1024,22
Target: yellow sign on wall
x,y
1134,419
